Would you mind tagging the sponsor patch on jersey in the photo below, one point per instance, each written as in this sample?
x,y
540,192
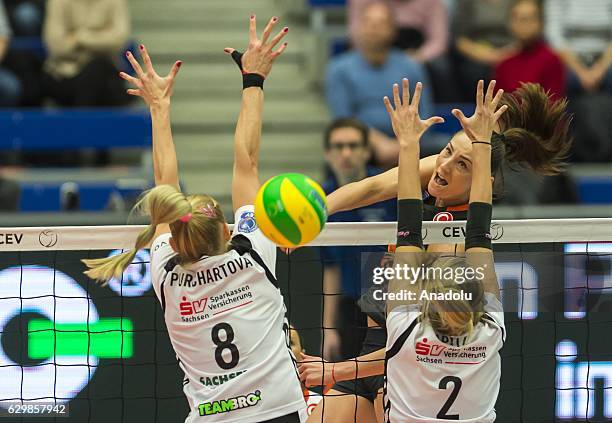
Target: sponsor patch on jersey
x,y
218,380
247,223
230,404
443,217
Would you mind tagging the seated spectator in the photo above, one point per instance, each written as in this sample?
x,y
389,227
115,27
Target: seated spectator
x,y
346,154
10,86
9,195
482,41
581,32
534,60
83,38
358,80
422,32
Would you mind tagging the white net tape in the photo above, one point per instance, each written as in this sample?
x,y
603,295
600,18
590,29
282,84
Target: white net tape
x,y
362,233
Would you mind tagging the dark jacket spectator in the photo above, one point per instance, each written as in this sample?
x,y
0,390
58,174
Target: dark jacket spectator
x,y
83,38
534,61
357,81
482,40
346,155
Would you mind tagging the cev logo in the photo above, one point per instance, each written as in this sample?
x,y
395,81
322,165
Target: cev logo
x,y
136,279
65,339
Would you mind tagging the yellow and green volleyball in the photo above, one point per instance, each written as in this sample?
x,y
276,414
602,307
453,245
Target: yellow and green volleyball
x,y
291,209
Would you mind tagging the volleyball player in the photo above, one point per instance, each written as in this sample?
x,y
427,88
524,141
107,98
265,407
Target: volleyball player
x,y
532,134
224,312
454,163
442,360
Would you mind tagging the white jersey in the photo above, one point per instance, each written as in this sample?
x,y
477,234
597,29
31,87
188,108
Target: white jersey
x,y
226,321
437,379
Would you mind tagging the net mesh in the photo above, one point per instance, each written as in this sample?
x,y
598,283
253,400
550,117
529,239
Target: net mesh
x,y
105,352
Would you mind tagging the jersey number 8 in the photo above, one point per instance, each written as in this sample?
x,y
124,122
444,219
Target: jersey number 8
x,y
225,345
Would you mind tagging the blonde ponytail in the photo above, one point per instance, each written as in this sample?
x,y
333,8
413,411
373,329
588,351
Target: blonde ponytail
x,y
164,204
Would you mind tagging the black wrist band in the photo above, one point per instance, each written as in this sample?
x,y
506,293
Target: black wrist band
x,y
481,142
409,222
478,227
252,80
248,79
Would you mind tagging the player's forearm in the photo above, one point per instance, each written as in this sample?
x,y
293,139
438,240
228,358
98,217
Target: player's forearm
x,y
409,182
165,166
482,188
363,193
371,364
248,128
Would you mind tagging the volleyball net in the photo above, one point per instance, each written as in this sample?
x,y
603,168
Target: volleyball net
x,y
102,353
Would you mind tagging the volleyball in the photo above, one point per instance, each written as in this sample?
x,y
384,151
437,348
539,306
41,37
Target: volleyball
x,y
291,209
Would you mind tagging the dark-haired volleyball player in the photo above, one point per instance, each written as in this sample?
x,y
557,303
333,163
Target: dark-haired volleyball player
x,y
224,312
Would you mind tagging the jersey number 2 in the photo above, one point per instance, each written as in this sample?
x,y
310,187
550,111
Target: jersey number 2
x,y
451,398
225,345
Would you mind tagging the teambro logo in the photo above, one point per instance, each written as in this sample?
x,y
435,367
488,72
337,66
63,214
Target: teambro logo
x,y
247,222
231,404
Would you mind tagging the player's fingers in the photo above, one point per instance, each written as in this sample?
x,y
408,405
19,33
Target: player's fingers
x,y
479,93
175,68
229,50
268,30
497,99
405,91
277,53
459,115
388,106
396,97
416,98
136,93
129,78
252,29
135,64
146,59
500,112
278,37
490,91
434,120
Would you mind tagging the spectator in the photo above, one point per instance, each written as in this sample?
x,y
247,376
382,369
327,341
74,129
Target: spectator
x,y
346,154
9,195
83,37
358,80
482,41
534,61
10,86
581,32
422,32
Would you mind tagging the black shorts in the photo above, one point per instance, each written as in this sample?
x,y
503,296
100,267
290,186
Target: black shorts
x,y
289,418
368,387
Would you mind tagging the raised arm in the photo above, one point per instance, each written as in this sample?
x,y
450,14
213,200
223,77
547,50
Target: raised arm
x,y
409,128
375,188
255,65
479,128
156,92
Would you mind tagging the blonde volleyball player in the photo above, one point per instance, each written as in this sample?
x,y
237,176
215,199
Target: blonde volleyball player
x,y
224,312
442,360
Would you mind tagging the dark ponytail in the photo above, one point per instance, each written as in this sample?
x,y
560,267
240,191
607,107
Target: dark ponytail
x,y
535,132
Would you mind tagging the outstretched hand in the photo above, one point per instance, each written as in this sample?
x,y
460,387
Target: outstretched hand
x,y
407,123
314,371
154,89
259,56
480,126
